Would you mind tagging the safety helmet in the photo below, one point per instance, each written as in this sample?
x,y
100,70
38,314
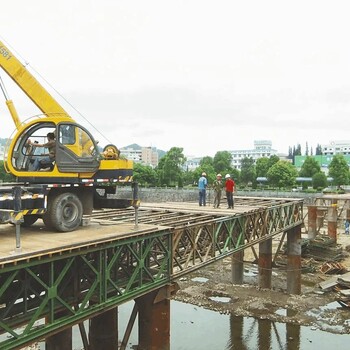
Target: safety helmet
x,y
204,174
227,176
218,175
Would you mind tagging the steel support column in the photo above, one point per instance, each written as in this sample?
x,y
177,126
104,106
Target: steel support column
x,y
294,260
62,340
237,267
311,227
332,222
154,321
103,331
265,263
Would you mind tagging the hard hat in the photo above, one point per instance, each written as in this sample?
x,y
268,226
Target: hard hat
x,y
218,175
227,176
204,174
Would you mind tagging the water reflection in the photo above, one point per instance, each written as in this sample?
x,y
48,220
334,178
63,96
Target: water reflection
x,y
194,328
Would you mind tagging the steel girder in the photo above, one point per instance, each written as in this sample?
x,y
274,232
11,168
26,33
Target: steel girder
x,y
40,297
197,245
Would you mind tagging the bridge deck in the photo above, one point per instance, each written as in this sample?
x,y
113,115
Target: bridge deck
x,y
109,225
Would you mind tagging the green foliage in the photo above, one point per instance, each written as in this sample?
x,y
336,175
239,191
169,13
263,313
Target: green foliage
x,y
339,170
222,162
262,167
310,167
145,175
248,173
318,150
170,167
273,160
319,180
4,176
282,174
206,161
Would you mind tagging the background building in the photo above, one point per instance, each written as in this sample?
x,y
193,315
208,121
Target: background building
x,y
262,148
138,154
336,147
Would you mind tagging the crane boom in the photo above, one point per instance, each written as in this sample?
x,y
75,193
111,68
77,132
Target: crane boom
x,y
67,171
28,83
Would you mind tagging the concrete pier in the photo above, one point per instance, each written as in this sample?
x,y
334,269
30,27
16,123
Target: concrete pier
x,y
294,260
265,263
237,267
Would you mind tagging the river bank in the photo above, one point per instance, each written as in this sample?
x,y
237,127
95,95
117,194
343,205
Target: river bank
x,y
210,287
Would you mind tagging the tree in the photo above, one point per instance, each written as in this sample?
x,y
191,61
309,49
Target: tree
x,y
262,166
222,162
297,150
318,150
206,161
248,173
307,149
4,176
273,160
319,180
339,170
282,174
170,167
145,175
310,167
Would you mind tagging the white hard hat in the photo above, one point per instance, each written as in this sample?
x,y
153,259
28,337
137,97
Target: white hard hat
x,y
204,174
218,175
227,176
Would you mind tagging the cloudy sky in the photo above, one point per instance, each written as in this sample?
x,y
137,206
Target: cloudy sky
x,y
203,75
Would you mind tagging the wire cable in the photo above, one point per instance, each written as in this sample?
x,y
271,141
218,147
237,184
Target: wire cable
x,y
27,64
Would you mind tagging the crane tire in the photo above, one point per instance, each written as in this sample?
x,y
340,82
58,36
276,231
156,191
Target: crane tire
x,y
65,212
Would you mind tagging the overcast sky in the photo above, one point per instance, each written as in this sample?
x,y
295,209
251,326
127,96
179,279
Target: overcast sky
x,y
203,75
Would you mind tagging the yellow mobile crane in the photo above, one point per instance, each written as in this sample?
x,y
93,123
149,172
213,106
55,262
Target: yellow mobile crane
x,y
78,180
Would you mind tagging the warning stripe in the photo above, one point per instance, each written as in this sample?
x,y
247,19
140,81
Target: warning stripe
x,y
6,197
33,211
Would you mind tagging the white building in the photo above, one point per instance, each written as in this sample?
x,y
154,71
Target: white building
x,y
336,147
262,148
192,163
144,155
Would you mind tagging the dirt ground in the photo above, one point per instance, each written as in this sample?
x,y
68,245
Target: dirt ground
x,y
211,288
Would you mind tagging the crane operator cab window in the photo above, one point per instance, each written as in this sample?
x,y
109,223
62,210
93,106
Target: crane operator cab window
x,y
77,140
35,149
77,150
67,146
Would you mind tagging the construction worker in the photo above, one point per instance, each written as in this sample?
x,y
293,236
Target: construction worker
x,y
230,188
202,186
218,186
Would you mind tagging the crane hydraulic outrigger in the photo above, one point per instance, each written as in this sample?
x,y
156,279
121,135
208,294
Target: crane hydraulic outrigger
x,y
79,179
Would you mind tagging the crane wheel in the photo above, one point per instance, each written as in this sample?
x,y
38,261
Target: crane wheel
x,y
65,212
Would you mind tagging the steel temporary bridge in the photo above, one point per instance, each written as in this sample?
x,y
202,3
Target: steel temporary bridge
x,y
57,280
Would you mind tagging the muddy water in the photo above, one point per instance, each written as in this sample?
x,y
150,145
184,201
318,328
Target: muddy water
x,y
194,328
